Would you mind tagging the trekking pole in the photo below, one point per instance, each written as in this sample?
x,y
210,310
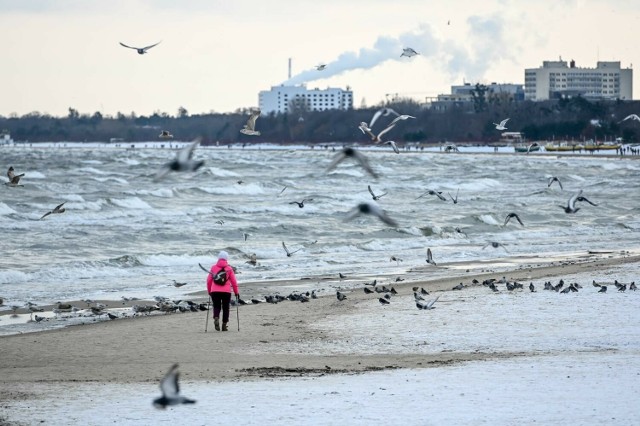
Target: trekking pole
x,y
206,324
237,311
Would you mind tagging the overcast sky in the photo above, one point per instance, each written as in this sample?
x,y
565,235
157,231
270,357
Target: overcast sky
x,y
216,55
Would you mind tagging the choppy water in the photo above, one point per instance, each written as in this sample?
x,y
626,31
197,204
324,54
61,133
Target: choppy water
x,y
124,234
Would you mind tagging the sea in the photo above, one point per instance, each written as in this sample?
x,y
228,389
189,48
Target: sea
x,y
126,234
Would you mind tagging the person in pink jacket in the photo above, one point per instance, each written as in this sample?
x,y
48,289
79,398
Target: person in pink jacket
x,y
221,293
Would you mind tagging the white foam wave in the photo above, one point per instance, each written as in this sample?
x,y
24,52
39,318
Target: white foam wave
x,y
112,178
34,175
488,219
6,210
246,189
130,203
11,276
92,170
217,171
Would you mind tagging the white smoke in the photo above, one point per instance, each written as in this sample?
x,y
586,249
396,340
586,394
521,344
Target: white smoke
x,y
471,59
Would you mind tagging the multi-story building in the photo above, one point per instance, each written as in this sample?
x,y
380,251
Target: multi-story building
x,y
557,79
461,95
283,99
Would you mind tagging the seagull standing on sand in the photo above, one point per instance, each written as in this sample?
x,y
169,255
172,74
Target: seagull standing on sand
x,y
509,216
171,390
356,155
140,50
372,209
183,161
374,196
408,52
57,209
250,127
554,179
501,125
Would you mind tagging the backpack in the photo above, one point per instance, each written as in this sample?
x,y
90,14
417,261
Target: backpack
x,y
220,277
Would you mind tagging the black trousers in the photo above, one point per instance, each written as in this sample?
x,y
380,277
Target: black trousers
x,y
221,301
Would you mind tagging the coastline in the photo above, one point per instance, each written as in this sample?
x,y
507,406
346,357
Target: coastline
x,y
140,349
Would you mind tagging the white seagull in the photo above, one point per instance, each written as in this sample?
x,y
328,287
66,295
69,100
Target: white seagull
x,y
140,50
376,138
408,52
630,117
501,125
170,390
393,145
571,204
250,127
183,161
381,112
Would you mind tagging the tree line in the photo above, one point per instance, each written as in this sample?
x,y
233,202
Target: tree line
x,y
563,119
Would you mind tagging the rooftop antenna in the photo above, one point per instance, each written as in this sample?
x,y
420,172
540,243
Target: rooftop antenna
x,y
289,68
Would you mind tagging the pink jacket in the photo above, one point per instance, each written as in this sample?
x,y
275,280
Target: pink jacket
x,y
231,279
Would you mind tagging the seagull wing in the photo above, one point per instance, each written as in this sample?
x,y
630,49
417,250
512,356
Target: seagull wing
x,y
394,146
518,219
375,117
389,127
371,191
59,206
503,122
401,117
285,248
128,47
572,200
336,160
149,47
430,303
45,215
439,195
376,210
362,160
169,383
251,122
186,153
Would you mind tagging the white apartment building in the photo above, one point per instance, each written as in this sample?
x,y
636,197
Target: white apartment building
x,y
281,99
557,79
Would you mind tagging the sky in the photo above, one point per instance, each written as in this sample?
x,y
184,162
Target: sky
x,y
216,56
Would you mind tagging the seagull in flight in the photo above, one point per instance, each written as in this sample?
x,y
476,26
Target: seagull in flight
x,y
320,67
289,253
408,52
430,258
554,179
372,209
58,209
571,204
170,390
14,179
301,203
183,161
393,145
250,127
374,196
400,117
630,117
495,244
455,200
356,155
509,216
501,125
436,193
165,134
381,112
140,50
376,138
584,199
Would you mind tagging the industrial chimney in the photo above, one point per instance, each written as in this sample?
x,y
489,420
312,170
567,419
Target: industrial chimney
x,y
289,68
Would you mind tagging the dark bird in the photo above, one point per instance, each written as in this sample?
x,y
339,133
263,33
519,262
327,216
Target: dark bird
x,y
509,216
183,161
495,244
632,286
374,196
165,134
458,287
584,199
423,291
171,390
532,288
372,209
57,209
14,179
250,127
432,192
395,259
140,50
554,179
383,301
111,316
622,288
455,200
301,203
341,275
341,296
603,289
430,257
367,290
571,204
289,253
356,155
